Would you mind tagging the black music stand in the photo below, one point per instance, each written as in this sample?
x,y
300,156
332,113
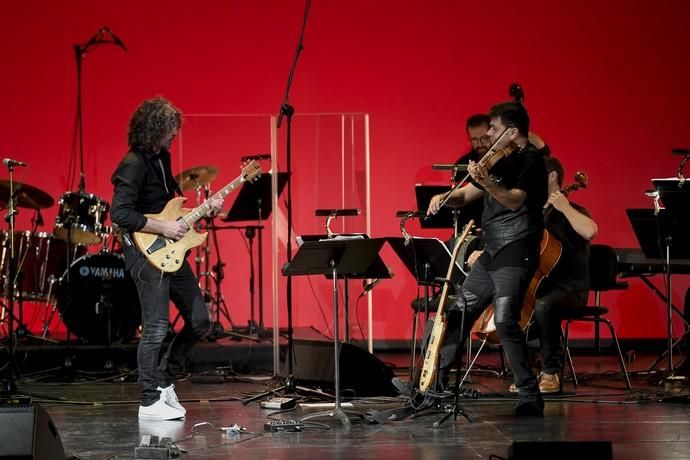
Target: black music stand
x,y
674,226
662,236
447,217
444,217
254,203
376,271
426,259
336,257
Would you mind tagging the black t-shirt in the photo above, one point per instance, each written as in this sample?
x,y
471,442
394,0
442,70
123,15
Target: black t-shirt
x,y
512,237
572,271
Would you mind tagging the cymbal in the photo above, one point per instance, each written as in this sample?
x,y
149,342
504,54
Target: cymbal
x,y
27,196
193,178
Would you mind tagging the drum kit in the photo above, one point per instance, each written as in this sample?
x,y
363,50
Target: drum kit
x,y
91,290
96,300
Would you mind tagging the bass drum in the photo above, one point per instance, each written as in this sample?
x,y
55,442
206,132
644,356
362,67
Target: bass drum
x,y
472,243
98,300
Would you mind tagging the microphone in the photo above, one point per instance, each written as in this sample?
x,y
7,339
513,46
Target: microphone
x,y
369,286
10,163
260,156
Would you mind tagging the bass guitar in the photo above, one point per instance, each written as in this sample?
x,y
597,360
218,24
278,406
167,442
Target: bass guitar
x,y
168,255
438,332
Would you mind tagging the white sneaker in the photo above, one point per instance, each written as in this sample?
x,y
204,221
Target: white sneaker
x,y
160,411
170,397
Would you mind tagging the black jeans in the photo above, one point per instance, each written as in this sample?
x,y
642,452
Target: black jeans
x,y
551,308
156,290
505,287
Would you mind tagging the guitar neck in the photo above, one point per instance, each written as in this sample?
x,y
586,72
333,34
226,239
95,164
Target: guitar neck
x,y
200,211
451,267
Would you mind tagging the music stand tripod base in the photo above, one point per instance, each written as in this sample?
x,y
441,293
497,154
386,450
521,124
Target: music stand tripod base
x,y
335,257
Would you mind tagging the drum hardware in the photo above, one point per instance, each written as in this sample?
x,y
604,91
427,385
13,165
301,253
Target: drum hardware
x,y
100,304
210,277
8,383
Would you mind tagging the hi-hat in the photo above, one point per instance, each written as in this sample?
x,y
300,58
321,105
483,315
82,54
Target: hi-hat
x,y
26,196
193,178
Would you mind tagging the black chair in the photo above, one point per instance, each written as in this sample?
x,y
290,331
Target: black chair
x,y
603,274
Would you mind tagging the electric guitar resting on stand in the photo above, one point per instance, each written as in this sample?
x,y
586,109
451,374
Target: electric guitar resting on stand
x,y
168,255
438,333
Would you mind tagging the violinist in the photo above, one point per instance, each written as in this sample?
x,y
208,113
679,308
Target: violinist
x,y
567,286
511,179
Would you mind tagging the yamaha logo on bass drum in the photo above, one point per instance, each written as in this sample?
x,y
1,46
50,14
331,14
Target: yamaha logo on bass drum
x,y
102,272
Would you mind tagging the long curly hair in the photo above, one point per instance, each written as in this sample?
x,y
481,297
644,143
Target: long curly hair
x,y
152,120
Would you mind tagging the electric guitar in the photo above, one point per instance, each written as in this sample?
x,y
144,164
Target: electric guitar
x,y
168,255
438,332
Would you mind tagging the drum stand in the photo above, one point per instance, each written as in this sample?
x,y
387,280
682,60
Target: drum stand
x,y
216,300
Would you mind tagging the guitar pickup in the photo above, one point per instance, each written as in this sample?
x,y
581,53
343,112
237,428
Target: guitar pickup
x,y
158,244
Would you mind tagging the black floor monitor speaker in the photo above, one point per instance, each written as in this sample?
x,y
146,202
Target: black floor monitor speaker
x,y
27,432
562,450
361,373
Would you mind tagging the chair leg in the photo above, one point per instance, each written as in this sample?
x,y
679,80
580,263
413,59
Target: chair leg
x,y
620,354
413,352
597,333
566,354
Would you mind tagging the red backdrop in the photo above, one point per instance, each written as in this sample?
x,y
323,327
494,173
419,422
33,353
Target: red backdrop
x,y
605,85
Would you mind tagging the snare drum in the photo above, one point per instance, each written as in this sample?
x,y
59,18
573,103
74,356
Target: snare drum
x,y
98,300
81,218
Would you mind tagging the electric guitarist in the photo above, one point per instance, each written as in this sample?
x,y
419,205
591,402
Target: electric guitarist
x,y
514,190
143,184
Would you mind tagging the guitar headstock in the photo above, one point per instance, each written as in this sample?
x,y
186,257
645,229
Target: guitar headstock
x,y
251,171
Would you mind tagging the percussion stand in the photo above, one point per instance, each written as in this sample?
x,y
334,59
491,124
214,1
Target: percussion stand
x,y
216,299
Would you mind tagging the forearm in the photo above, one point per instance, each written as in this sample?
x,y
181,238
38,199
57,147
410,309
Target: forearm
x,y
509,198
582,224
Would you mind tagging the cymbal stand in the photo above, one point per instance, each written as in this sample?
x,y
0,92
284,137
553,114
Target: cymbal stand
x,y
212,275
217,300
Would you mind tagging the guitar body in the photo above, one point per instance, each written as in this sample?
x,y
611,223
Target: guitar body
x,y
550,250
438,332
167,255
164,254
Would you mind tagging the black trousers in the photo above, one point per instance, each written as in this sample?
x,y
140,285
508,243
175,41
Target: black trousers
x,y
156,289
505,288
551,308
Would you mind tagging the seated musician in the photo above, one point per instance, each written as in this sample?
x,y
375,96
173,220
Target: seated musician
x,y
514,190
567,285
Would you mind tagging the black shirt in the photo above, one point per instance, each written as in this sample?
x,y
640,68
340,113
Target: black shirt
x,y
143,185
512,237
572,271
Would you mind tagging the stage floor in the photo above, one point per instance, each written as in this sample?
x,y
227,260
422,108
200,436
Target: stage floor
x,y
99,420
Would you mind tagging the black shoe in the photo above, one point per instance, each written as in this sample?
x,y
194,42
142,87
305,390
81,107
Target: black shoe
x,y
530,407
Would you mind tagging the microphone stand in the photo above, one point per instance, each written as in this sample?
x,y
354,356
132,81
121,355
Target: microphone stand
x,y
8,383
286,110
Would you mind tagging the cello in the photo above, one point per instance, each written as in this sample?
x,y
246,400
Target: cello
x,y
550,250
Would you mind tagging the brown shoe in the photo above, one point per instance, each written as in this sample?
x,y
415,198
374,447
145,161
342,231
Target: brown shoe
x,y
549,383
